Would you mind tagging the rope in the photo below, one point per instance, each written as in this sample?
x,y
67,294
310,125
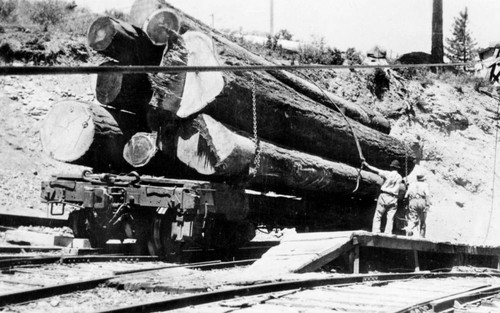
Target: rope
x,y
65,70
494,177
358,146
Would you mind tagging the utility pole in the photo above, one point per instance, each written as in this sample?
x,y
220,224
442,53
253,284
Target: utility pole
x,y
213,20
437,51
271,30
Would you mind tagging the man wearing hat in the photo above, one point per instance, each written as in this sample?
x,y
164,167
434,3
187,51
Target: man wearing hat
x,y
418,195
387,201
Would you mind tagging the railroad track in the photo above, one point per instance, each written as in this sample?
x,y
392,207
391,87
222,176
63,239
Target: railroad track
x,y
31,281
401,293
125,291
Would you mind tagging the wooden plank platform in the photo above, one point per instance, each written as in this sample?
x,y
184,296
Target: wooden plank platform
x,y
307,252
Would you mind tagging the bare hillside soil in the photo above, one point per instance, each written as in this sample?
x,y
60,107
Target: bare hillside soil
x,y
442,117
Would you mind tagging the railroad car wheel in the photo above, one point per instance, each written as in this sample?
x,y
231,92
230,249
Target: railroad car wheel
x,y
162,242
84,225
78,223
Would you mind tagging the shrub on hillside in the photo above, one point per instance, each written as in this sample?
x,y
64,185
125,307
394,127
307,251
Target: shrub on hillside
x,y
319,53
78,21
120,15
47,12
8,10
353,56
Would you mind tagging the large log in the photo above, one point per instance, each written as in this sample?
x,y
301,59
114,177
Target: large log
x,y
361,113
123,42
158,24
212,149
129,92
87,134
187,93
284,115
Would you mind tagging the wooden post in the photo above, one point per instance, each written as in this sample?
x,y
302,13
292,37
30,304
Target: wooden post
x,y
354,258
415,259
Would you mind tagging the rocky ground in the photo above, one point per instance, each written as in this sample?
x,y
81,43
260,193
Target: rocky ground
x,y
449,123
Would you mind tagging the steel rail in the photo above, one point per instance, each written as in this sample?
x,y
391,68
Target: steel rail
x,y
17,249
45,292
49,291
207,297
11,262
109,258
445,303
70,70
205,266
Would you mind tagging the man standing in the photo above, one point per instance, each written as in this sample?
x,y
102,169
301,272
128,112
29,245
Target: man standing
x,y
388,199
418,195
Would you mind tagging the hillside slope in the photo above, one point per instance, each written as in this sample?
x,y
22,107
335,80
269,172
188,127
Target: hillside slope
x,y
443,118
452,128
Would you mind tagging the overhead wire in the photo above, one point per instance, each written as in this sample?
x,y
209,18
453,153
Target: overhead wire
x,y
130,69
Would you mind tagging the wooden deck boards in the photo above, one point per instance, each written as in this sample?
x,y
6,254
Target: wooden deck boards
x,y
307,252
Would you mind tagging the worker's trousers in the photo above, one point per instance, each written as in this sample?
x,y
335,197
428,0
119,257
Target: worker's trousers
x,y
416,218
384,207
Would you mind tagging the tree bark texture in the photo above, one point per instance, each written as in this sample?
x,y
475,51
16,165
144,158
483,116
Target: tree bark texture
x,y
123,42
361,113
213,149
284,115
294,120
129,92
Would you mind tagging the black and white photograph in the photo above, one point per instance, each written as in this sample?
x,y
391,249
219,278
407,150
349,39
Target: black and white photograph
x,y
231,156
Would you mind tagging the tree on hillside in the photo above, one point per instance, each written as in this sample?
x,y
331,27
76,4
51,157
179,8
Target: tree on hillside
x,y
461,47
284,34
47,12
272,41
437,52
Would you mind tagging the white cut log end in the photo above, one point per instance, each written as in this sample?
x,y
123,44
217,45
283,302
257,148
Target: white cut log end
x,y
188,152
140,149
68,131
208,145
200,88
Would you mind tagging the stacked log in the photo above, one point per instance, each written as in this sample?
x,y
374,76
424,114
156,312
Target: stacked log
x,y
87,134
213,149
361,113
205,120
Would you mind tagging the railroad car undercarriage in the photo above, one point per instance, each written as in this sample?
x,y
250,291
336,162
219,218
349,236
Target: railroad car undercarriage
x,y
164,216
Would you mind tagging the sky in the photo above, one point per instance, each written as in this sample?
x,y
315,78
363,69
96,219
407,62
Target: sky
x,y
400,26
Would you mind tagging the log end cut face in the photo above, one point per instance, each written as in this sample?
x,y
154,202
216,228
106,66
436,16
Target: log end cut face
x,y
101,33
158,24
200,88
210,148
108,85
68,131
140,149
